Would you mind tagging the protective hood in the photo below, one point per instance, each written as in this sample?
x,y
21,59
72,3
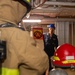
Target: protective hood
x,y
11,11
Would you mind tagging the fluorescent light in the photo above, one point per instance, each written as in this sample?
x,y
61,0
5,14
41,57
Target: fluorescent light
x,y
32,21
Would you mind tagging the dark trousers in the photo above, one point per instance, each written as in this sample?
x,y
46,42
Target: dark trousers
x,y
50,66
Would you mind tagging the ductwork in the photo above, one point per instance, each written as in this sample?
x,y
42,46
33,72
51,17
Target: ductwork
x,y
60,3
37,3
53,20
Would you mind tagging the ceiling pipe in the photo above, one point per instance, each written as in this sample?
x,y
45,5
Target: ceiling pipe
x,y
37,3
52,9
60,3
59,19
53,20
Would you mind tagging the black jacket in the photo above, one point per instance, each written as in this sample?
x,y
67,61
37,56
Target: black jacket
x,y
50,43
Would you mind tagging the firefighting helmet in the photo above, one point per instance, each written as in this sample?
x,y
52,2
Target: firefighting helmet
x,y
27,4
58,72
64,56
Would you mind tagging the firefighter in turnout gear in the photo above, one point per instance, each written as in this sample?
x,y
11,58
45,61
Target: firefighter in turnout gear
x,y
22,55
64,58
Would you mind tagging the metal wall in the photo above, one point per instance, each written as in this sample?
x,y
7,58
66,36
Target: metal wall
x,y
62,31
72,33
65,32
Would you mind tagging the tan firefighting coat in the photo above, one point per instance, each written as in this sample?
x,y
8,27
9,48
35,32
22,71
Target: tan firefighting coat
x,y
70,71
22,52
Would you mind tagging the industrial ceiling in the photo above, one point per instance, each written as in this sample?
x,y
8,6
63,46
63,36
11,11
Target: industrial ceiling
x,y
54,10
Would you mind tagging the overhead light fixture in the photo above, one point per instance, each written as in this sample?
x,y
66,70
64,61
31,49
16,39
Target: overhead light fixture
x,y
31,21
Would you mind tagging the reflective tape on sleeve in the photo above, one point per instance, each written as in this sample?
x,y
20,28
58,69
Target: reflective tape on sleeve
x,y
6,71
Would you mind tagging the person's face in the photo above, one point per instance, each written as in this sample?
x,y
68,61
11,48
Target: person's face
x,y
51,30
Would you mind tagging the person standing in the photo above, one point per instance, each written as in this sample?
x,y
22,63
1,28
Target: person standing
x,y
22,55
50,42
